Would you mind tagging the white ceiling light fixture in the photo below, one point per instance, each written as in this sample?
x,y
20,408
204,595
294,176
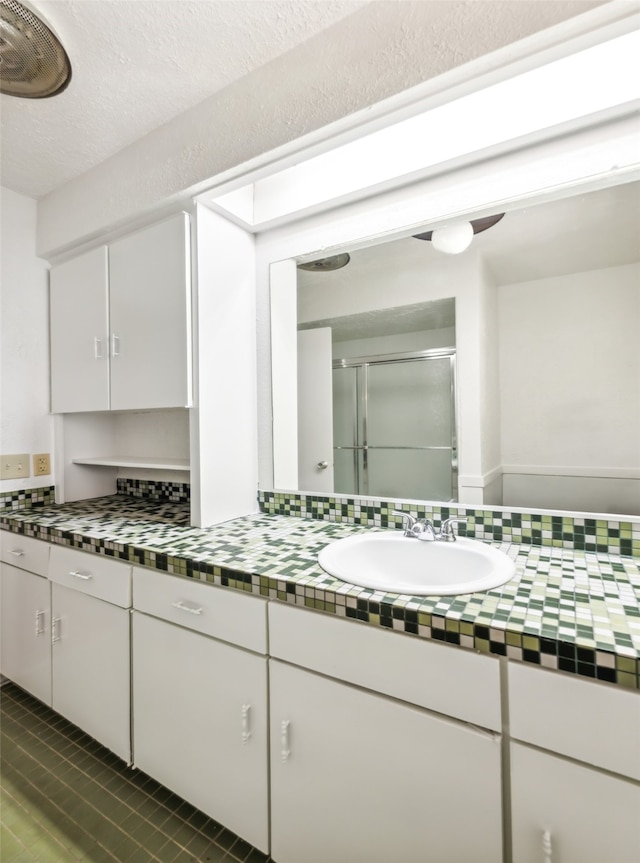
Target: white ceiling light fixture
x,y
33,63
453,239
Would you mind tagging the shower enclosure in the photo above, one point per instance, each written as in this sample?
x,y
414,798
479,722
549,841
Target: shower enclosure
x,y
394,426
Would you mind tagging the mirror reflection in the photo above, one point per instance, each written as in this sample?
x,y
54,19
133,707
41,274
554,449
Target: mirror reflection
x,y
506,372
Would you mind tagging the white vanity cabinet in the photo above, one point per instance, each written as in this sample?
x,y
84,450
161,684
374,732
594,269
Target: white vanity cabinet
x,y
200,697
371,776
91,645
25,614
121,323
575,769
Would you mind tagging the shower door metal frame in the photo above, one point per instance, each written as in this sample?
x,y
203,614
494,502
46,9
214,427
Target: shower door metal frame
x,y
363,363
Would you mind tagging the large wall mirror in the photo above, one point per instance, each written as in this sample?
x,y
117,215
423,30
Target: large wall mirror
x,y
506,374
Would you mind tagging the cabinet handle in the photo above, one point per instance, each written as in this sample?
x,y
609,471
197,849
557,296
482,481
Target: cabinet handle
x,y
39,623
115,345
16,552
97,348
192,609
55,629
246,729
85,576
546,846
285,751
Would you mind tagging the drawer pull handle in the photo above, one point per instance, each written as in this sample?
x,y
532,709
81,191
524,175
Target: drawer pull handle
x,y
546,846
246,725
55,630
85,576
115,345
39,623
16,552
97,348
192,609
285,751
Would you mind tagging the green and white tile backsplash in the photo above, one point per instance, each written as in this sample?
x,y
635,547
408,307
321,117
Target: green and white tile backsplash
x,y
533,528
27,498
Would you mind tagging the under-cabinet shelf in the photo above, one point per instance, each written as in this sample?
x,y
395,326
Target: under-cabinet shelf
x,y
136,461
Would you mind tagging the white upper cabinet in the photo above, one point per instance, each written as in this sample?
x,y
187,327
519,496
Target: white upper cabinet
x,y
80,333
121,323
149,283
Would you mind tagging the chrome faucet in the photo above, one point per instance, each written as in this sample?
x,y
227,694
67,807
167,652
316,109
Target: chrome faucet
x,y
447,533
415,528
424,530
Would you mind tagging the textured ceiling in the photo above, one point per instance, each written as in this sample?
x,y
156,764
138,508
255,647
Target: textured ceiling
x,y
139,66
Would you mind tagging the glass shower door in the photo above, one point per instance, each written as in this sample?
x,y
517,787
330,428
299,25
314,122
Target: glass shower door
x,y
394,427
410,429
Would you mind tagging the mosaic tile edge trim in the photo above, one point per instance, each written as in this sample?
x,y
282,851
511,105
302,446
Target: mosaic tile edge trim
x,y
540,529
27,498
453,620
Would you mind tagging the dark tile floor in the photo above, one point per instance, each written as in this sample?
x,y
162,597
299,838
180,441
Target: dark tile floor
x,y
66,799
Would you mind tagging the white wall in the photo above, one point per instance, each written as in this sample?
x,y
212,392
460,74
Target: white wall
x,y
570,389
224,458
25,423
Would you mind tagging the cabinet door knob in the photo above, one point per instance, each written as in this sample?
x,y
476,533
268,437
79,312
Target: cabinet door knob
x,y
322,465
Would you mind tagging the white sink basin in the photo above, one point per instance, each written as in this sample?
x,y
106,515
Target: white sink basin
x,y
394,563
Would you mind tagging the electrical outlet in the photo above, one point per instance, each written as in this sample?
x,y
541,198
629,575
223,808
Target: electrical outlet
x,y
41,464
14,466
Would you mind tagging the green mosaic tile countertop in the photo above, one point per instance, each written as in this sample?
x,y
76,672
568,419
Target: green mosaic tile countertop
x,y
575,611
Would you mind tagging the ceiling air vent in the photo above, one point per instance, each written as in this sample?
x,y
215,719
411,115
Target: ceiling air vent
x,y
33,63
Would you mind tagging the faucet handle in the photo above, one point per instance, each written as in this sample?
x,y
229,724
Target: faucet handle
x,y
410,522
446,531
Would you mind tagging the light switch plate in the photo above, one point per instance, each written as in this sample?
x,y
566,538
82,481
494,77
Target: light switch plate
x,y
14,466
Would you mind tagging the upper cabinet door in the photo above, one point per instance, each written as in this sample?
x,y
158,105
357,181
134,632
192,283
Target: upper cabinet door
x,y
80,334
150,315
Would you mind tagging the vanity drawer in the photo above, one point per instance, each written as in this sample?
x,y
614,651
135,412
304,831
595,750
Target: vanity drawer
x,y
24,552
217,611
439,677
92,574
593,722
